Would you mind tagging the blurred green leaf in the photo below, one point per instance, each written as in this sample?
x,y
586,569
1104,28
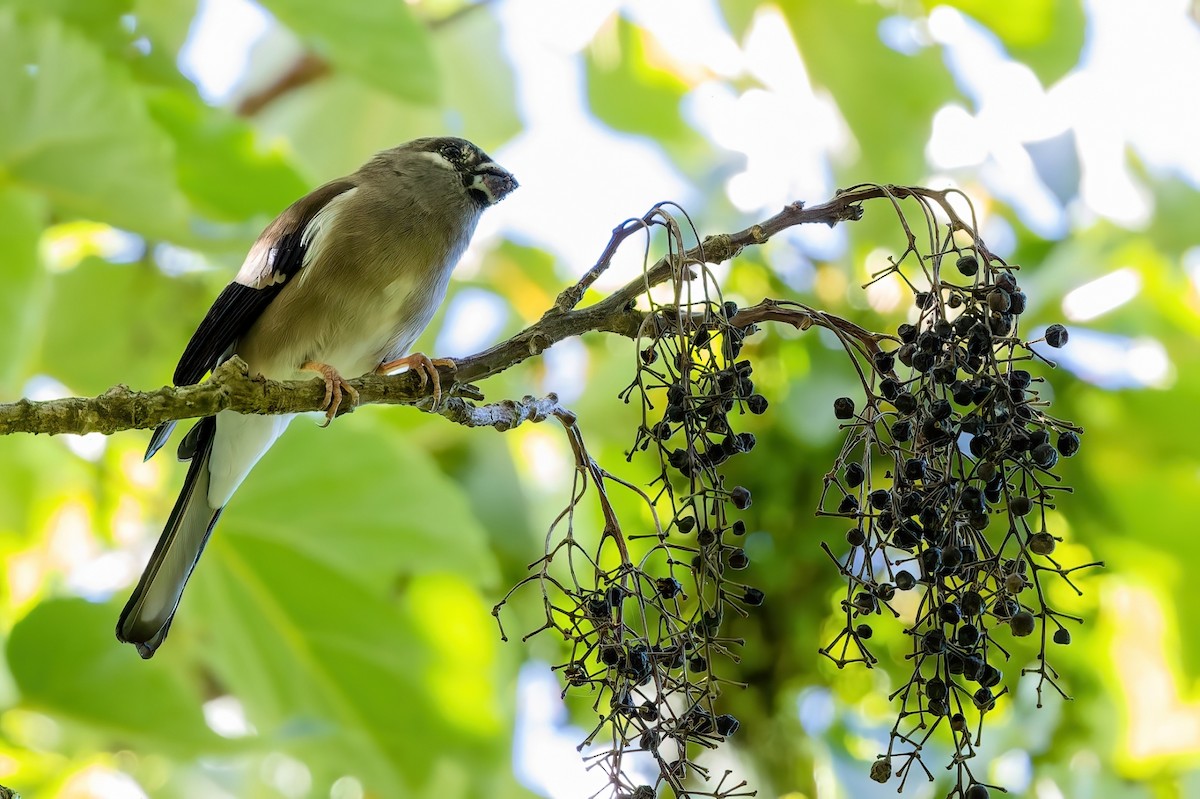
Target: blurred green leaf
x,y
76,130
66,661
873,86
328,667
107,323
221,165
165,24
479,103
298,592
383,510
738,15
1045,35
628,91
93,16
316,657
380,41
480,97
22,215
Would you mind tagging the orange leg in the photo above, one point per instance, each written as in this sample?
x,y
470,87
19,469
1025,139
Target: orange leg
x,y
335,387
424,366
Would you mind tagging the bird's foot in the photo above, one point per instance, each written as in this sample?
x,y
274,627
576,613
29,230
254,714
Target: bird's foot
x,y
336,387
426,369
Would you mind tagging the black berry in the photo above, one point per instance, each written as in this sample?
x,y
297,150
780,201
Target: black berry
x,y
727,725
1056,336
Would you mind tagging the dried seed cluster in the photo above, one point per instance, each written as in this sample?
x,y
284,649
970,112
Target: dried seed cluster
x,y
945,476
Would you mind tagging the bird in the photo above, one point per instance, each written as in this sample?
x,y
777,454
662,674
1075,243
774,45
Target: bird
x,y
341,284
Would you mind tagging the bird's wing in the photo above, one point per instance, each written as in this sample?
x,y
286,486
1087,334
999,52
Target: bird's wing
x,y
278,255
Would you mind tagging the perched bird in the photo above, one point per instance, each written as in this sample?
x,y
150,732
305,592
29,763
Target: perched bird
x,y
341,283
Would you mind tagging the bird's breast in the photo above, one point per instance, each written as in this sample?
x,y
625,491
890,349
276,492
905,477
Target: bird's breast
x,y
365,297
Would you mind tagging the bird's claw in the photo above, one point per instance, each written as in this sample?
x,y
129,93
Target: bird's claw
x,y
426,369
336,387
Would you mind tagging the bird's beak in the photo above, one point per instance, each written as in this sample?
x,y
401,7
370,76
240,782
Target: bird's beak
x,y
493,181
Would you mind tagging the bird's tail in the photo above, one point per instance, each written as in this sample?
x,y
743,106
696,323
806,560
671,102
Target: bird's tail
x,y
147,615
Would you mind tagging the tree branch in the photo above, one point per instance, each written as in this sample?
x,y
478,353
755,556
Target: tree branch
x,y
230,387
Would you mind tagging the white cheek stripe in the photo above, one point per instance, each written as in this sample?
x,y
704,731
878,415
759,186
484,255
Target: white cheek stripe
x,y
438,159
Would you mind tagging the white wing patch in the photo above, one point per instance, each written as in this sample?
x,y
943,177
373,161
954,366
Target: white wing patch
x,y
258,270
316,233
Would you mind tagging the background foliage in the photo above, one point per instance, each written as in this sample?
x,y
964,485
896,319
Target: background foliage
x,y
337,639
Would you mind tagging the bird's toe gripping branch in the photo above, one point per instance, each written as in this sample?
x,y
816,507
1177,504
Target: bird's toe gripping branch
x,y
425,367
336,387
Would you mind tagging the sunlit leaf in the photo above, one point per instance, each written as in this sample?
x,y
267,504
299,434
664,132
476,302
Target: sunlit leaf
x,y
109,323
873,86
22,215
75,130
479,103
628,90
98,19
360,498
1046,35
222,166
378,40
328,666
66,661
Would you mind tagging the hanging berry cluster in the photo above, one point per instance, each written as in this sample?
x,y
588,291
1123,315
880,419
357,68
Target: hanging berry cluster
x,y
946,476
645,616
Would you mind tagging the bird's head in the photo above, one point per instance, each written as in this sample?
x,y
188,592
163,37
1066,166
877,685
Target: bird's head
x,y
484,181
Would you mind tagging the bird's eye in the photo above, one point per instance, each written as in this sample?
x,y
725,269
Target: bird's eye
x,y
452,153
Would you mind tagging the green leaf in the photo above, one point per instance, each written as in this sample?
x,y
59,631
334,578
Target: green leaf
x,y
887,98
309,651
98,19
65,661
380,41
222,166
628,91
165,24
23,299
295,603
1046,35
738,15
479,89
109,323
75,130
329,667
385,510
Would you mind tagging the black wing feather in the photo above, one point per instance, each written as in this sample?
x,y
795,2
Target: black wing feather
x,y
243,301
231,315
240,304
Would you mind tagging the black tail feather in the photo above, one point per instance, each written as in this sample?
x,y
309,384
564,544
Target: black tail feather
x,y
147,615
